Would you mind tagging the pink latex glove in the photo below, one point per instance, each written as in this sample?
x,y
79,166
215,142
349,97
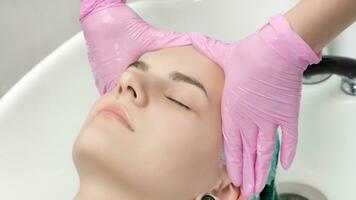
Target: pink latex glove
x,y
263,79
262,90
117,36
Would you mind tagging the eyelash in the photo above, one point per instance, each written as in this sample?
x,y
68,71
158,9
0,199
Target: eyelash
x,y
175,101
179,103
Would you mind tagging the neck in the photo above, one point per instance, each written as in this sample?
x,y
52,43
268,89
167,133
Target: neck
x,y
103,188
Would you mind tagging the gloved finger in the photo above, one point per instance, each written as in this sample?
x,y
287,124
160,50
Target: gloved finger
x,y
265,148
289,144
233,158
232,144
212,48
249,143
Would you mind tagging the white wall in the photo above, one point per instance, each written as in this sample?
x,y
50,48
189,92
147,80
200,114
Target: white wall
x,y
29,31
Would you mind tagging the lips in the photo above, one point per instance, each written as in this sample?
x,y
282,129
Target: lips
x,y
119,113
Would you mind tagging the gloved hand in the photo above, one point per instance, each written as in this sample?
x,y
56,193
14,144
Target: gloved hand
x,y
116,36
263,78
262,90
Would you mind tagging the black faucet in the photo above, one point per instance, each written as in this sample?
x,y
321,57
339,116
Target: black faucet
x,y
331,64
342,66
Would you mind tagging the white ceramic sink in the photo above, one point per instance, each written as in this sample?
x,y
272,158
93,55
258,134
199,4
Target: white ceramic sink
x,y
326,155
41,115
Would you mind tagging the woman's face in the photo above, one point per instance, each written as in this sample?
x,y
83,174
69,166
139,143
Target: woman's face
x,y
173,152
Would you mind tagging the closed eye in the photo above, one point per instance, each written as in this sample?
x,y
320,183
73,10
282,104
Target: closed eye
x,y
175,101
179,103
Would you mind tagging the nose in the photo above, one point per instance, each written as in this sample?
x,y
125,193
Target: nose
x,y
131,86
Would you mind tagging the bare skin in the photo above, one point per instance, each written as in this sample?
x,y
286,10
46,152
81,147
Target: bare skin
x,y
320,21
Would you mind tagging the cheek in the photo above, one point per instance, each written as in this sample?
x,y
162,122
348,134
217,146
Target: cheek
x,y
182,152
177,137
187,140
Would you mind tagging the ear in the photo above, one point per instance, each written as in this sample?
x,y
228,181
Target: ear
x,y
224,189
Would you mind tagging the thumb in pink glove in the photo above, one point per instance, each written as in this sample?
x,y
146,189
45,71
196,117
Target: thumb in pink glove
x,y
263,76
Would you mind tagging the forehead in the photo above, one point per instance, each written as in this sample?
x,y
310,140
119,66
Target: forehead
x,y
188,60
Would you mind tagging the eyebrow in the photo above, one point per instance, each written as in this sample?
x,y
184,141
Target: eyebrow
x,y
176,76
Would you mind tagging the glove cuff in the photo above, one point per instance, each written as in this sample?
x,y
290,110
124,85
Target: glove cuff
x,y
280,36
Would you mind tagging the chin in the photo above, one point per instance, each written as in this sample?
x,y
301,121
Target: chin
x,y
101,147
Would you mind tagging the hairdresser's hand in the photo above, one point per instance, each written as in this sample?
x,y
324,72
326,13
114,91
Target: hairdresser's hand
x,y
116,36
263,74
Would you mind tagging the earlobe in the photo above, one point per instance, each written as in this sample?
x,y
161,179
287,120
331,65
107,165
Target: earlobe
x,y
229,192
225,190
